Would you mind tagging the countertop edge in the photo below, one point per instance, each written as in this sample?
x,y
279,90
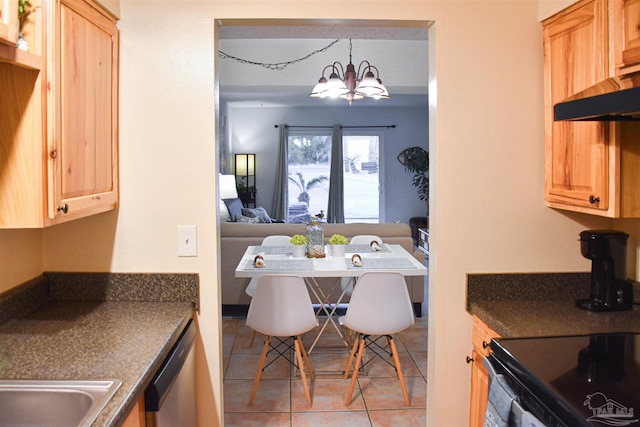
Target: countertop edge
x,y
137,391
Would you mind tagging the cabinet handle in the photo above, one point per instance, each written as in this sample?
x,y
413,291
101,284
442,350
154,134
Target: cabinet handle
x,y
64,208
53,154
593,199
469,359
485,344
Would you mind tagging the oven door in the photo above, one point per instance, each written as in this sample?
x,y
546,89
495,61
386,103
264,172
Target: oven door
x,y
506,389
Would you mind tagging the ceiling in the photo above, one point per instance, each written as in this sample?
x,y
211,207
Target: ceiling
x,y
397,48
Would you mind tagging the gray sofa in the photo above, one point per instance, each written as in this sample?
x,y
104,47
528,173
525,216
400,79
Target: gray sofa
x,y
236,237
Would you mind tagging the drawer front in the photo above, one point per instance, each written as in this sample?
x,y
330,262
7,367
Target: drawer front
x,y
482,335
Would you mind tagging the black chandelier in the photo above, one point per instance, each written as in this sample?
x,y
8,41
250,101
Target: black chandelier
x,y
350,85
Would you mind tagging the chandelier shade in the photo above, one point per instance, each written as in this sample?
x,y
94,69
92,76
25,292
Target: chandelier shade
x,y
349,84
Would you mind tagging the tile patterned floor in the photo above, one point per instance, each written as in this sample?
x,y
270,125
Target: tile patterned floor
x,y
280,400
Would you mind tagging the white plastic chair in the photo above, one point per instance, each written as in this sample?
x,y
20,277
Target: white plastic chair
x,y
346,283
275,240
380,306
281,307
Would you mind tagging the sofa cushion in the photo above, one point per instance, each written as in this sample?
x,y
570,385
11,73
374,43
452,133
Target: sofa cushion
x,y
258,212
248,220
235,207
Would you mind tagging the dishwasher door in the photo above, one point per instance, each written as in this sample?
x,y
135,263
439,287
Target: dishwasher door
x,y
170,398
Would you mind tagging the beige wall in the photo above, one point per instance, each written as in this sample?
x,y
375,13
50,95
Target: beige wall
x,y
488,213
20,257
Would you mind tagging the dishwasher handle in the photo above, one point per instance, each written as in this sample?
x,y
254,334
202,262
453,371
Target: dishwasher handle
x,y
156,392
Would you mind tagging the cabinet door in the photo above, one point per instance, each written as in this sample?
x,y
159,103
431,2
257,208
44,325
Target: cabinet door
x,y
479,391
9,21
482,335
626,34
576,154
84,160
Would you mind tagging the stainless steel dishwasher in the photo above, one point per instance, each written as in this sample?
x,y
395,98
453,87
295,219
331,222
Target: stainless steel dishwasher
x,y
170,399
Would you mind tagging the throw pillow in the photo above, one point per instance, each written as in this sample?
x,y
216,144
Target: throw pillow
x,y
259,212
235,207
224,212
247,220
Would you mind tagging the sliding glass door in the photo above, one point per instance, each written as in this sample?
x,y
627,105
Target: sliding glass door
x,y
361,154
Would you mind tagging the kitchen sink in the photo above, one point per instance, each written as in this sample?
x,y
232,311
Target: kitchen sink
x,y
53,403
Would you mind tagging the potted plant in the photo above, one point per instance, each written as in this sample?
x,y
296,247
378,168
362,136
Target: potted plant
x,y
24,10
338,242
298,245
416,161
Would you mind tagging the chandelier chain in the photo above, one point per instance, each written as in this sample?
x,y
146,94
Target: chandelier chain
x,y
280,65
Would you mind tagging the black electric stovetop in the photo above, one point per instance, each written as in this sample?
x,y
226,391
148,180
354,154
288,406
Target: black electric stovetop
x,y
576,380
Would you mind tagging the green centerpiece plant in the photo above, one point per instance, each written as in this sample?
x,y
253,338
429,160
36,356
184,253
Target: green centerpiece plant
x,y
298,245
298,239
338,239
338,242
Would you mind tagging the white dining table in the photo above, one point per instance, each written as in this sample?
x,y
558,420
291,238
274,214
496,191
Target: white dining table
x,y
280,260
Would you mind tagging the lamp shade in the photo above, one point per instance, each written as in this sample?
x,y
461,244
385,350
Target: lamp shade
x,y
320,89
336,87
369,86
245,164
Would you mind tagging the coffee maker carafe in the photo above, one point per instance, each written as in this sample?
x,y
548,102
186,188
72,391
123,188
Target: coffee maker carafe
x,y
610,290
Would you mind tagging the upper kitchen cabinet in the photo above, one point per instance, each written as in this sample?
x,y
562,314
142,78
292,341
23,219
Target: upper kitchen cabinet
x,y
82,111
9,21
31,27
626,35
576,154
590,167
59,125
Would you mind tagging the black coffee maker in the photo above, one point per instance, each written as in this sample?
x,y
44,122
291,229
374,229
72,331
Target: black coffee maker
x,y
610,290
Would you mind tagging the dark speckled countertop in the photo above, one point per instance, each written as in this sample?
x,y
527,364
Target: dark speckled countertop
x,y
542,304
124,338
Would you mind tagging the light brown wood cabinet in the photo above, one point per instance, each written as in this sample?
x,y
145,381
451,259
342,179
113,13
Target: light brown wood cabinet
x,y
9,21
136,417
626,35
82,111
589,166
482,335
9,26
59,128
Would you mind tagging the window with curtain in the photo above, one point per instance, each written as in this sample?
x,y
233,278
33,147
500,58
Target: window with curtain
x,y
308,173
309,160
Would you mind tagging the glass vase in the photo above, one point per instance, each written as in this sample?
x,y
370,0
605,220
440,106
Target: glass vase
x,y
315,240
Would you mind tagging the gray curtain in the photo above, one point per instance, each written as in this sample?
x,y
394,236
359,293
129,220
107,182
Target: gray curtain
x,y
335,210
280,206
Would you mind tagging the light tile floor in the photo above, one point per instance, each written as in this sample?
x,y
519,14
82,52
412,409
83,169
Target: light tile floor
x,y
280,401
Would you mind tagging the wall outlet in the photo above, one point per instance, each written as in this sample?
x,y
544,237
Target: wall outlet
x,y
187,241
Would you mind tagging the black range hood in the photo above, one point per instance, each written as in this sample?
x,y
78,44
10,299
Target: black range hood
x,y
614,99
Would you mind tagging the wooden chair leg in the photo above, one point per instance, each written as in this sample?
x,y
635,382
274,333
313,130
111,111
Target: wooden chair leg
x,y
396,362
263,358
355,371
253,336
296,344
305,357
354,348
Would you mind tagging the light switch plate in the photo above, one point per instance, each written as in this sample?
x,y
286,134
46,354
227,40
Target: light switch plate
x,y
187,241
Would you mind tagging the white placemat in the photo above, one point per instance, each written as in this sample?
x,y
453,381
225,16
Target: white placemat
x,y
272,250
365,249
383,264
281,264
